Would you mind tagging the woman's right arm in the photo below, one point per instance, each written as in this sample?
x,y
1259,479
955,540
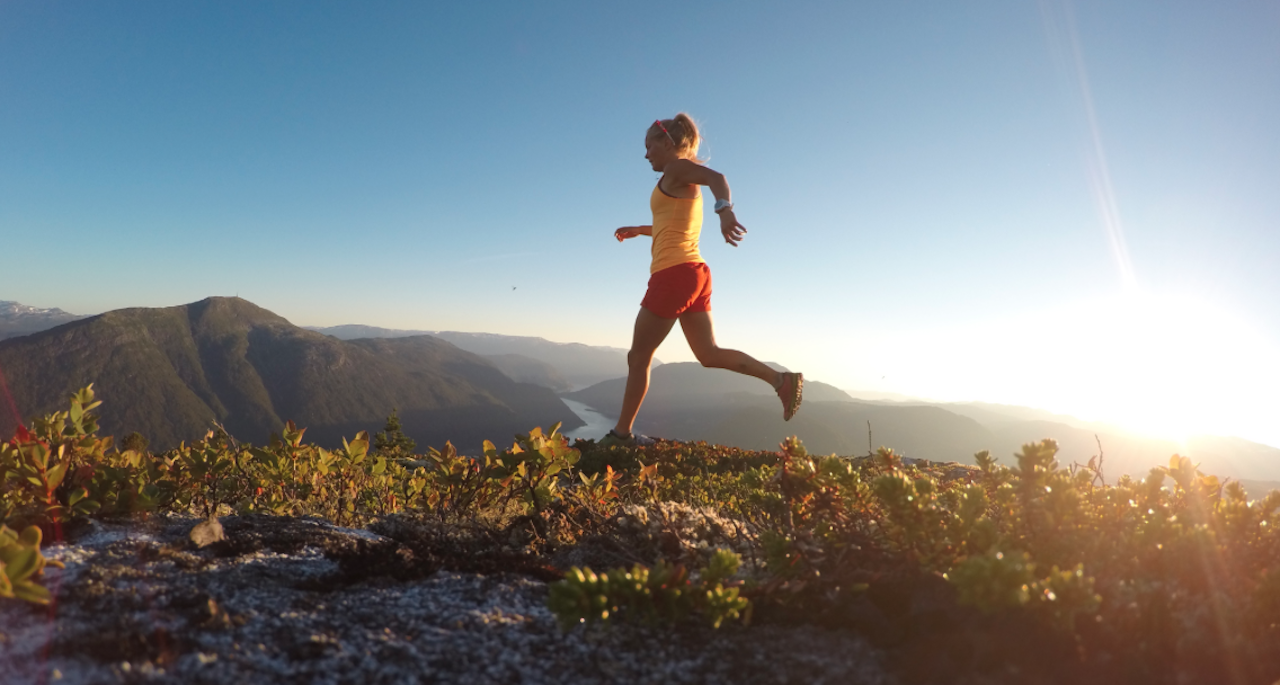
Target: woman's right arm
x,y
632,231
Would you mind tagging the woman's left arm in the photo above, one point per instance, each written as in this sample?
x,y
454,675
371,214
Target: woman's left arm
x,y
685,172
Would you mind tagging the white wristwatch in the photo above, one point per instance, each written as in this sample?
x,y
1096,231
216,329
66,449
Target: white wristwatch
x,y
722,205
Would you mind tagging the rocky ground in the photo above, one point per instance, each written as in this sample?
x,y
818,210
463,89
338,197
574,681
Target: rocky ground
x,y
285,600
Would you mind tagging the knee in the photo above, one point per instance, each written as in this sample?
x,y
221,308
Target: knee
x,y
707,357
639,359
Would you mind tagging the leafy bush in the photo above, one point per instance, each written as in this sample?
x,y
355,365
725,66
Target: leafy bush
x,y
20,562
663,593
528,470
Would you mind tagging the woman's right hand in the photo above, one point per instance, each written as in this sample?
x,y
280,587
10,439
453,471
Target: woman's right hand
x,y
626,232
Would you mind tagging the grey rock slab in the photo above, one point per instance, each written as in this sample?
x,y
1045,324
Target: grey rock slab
x,y
135,604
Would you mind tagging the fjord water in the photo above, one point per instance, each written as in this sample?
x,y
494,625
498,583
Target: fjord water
x,y
597,424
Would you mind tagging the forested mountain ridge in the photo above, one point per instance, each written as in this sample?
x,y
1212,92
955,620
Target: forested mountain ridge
x,y
572,365
169,373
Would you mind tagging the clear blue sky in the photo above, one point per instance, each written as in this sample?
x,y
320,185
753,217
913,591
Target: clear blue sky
x,y
1067,205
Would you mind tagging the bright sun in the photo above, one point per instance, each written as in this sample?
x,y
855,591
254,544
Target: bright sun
x,y
1169,366
1172,367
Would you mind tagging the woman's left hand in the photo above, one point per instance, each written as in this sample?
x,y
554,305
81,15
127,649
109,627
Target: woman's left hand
x,y
730,228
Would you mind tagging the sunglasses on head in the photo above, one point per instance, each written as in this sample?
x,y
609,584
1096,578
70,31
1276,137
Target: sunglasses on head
x,y
658,123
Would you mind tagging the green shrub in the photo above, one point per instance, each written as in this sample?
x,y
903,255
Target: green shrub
x,y
20,563
664,593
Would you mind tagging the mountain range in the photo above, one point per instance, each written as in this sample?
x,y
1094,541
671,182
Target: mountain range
x,y
688,402
169,373
560,366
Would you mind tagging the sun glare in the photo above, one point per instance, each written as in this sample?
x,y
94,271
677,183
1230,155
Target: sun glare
x,y
1168,366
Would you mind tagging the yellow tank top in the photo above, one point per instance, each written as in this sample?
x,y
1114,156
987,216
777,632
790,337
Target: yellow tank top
x,y
677,224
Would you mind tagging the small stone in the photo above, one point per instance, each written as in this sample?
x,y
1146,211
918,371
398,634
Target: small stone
x,y
207,532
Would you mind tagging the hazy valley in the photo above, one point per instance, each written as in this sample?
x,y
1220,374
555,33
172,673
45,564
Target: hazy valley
x,y
288,560
169,373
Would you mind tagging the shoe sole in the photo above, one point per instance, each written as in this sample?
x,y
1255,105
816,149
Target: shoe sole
x,y
789,408
610,440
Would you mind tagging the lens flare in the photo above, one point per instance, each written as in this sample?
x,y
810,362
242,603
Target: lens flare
x,y
1064,42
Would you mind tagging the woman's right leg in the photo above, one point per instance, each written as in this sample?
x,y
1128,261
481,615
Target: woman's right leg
x,y
700,333
650,331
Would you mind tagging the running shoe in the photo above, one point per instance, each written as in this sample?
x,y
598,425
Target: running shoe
x,y
613,439
789,392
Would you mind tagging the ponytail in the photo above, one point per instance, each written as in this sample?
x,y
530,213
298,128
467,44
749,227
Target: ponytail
x,y
683,132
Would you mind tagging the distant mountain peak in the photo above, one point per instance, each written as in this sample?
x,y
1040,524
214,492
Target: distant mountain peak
x,y
235,307
17,319
10,309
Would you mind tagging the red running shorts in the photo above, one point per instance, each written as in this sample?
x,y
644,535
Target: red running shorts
x,y
679,289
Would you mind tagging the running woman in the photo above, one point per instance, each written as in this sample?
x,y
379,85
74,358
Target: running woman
x,y
680,282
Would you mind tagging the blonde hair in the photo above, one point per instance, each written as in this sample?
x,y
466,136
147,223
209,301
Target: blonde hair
x,y
683,132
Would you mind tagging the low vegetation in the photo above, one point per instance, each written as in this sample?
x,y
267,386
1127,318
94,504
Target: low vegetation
x,y
1174,572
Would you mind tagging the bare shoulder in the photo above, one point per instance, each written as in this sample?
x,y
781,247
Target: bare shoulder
x,y
687,172
682,170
